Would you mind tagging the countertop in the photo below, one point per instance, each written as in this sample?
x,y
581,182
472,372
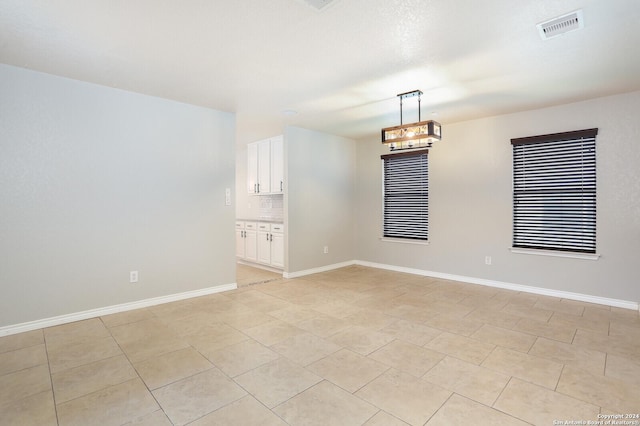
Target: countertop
x,y
242,219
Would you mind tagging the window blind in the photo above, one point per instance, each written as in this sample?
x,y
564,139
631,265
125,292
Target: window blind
x,y
406,195
554,192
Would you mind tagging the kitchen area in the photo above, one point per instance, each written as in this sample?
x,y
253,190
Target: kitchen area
x,y
259,226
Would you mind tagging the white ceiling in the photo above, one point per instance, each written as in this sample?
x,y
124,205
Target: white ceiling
x,y
339,67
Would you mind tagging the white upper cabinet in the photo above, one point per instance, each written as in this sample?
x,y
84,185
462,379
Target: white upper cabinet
x,y
252,168
265,166
277,165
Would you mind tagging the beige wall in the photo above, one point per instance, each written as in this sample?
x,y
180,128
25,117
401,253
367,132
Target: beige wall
x,y
319,200
96,182
470,202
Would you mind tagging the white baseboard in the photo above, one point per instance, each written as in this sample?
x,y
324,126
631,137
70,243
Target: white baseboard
x,y
508,286
259,266
325,268
93,313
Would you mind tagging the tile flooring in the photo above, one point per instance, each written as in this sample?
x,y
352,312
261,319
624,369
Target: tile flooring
x,y
246,275
354,346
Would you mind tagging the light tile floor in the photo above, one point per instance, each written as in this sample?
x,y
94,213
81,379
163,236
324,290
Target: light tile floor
x,y
247,275
354,346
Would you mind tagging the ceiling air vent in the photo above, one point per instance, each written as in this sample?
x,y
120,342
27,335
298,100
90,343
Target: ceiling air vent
x,y
318,4
561,25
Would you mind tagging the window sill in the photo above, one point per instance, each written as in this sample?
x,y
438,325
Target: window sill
x,y
404,241
572,255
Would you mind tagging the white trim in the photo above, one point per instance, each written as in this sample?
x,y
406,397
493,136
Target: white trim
x,y
404,241
114,309
93,313
259,266
509,286
555,253
317,270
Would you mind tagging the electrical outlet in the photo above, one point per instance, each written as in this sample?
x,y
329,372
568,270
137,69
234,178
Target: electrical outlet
x,y
487,260
326,249
133,276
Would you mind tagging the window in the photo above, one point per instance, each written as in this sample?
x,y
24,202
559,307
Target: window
x,y
406,195
554,191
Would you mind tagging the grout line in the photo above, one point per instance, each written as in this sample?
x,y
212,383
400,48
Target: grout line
x,y
555,388
573,337
501,392
53,393
317,289
136,370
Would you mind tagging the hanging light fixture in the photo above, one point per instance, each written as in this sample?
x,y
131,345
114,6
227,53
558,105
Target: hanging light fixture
x,y
415,135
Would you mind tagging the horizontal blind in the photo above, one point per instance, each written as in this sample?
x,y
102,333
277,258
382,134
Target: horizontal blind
x,y
554,195
406,195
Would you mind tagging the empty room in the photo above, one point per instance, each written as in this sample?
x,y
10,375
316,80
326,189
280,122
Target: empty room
x,y
319,212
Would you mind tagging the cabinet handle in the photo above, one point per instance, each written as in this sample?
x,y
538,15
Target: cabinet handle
x,y
267,235
255,188
271,237
280,186
258,188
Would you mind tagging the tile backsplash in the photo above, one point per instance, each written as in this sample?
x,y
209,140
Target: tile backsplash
x,y
271,207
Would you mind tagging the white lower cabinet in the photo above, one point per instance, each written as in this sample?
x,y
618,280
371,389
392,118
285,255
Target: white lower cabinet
x,y
260,242
250,246
246,241
240,249
277,246
264,245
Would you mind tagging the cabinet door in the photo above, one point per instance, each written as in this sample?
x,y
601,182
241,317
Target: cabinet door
x,y
250,246
240,243
252,168
264,166
277,165
264,247
277,250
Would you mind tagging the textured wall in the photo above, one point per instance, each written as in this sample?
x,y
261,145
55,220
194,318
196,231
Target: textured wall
x,y
320,176
96,182
470,202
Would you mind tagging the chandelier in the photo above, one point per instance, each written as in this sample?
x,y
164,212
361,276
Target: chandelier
x,y
415,135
